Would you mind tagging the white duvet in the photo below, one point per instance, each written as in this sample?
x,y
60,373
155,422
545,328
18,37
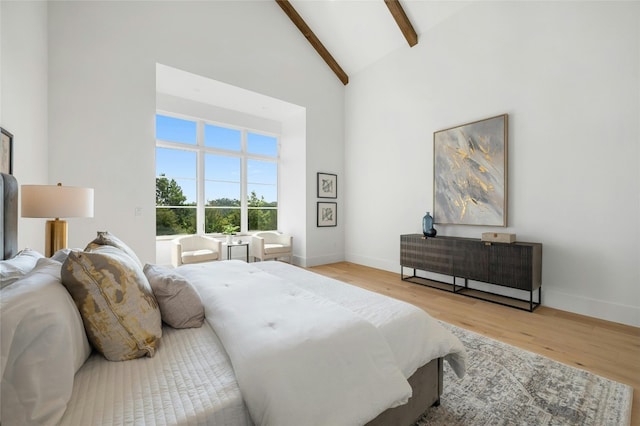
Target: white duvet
x,y
413,335
309,350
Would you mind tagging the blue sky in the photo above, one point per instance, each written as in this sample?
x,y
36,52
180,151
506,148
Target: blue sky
x,y
222,173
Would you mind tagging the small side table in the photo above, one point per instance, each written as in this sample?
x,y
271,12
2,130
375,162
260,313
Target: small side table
x,y
230,246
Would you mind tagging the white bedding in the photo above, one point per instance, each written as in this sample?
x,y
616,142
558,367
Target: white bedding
x,y
189,381
414,336
275,321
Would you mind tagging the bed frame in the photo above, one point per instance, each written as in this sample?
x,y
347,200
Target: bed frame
x,y
8,216
426,382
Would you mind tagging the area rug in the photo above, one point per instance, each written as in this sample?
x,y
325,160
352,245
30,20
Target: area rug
x,y
505,385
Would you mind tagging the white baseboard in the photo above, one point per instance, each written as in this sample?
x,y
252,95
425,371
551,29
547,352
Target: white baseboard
x,y
318,260
616,312
373,262
602,309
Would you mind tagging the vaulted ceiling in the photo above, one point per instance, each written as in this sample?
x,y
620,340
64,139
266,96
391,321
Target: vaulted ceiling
x,y
357,33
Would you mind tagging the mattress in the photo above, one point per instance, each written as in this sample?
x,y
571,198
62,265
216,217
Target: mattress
x,y
189,381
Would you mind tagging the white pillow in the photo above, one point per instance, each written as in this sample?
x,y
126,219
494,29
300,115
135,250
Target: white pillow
x,y
61,255
42,345
13,269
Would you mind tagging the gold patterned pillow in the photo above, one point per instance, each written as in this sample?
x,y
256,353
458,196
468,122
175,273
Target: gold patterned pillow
x,y
118,308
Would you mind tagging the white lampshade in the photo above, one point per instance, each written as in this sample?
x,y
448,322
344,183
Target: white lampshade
x,y
56,201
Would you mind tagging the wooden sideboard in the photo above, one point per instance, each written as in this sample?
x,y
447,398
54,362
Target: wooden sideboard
x,y
515,265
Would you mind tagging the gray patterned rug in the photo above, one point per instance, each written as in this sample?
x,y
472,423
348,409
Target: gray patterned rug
x,y
505,385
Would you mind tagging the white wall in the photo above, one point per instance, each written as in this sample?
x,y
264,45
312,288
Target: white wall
x,y
23,99
567,75
292,182
102,64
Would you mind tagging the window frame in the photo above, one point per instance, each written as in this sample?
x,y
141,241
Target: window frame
x,y
201,150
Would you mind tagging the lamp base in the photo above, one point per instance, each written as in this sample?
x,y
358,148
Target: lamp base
x,y
55,236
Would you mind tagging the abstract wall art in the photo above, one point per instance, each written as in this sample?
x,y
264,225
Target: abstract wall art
x,y
470,173
327,185
327,214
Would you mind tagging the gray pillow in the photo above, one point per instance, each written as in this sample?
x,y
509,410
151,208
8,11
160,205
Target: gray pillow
x,y
180,304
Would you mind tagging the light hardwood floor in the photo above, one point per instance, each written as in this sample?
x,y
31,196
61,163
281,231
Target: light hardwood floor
x,y
605,348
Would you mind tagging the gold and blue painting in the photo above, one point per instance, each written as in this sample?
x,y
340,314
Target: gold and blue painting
x,y
470,173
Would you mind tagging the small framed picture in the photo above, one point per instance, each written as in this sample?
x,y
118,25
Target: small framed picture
x,y
327,214
6,152
327,185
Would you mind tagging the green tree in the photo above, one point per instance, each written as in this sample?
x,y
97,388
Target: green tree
x,y
260,218
215,219
168,192
174,216
172,220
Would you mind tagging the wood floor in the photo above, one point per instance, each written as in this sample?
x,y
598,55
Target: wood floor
x,y
605,348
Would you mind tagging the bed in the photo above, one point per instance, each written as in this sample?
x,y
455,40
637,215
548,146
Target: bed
x,y
306,361
8,216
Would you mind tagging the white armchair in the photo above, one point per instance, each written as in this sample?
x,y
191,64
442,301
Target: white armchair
x,y
271,245
194,249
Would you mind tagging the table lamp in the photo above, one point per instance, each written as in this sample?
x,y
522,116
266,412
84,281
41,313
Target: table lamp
x,y
56,201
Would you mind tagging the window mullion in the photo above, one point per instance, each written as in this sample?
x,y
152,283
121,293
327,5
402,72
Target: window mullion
x,y
244,210
200,214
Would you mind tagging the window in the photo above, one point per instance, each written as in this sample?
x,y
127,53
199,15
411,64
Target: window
x,y
211,175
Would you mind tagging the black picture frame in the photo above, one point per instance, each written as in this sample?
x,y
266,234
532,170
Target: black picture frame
x,y
6,152
327,185
327,214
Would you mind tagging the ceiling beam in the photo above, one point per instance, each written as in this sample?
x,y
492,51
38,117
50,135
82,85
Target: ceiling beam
x,y
403,22
311,38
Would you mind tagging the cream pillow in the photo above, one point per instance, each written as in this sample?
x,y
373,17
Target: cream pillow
x,y
180,304
61,255
13,269
120,313
43,344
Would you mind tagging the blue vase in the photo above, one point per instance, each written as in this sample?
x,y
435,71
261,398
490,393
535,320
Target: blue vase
x,y
427,226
